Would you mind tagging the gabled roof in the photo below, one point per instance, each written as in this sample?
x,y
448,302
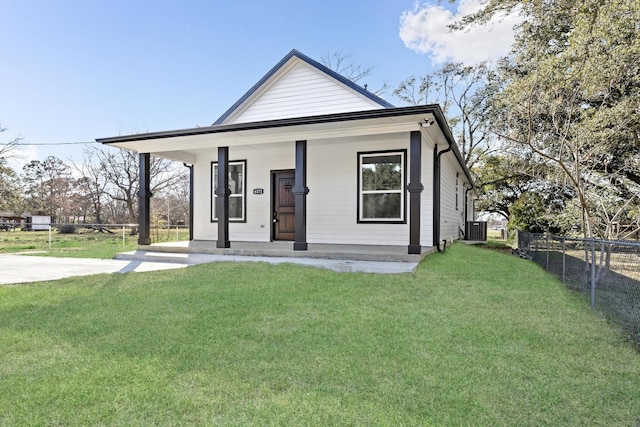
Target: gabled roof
x,y
9,214
248,97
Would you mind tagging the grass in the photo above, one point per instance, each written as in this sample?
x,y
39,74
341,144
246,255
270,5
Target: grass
x,y
83,244
495,240
475,338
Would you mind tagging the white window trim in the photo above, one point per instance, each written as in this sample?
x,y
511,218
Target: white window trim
x,y
457,191
401,191
243,195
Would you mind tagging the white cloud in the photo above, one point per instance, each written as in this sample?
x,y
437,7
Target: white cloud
x,y
424,29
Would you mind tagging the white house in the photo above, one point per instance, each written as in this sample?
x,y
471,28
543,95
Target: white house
x,y
308,156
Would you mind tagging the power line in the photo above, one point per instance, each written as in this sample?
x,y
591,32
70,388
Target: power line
x,y
54,143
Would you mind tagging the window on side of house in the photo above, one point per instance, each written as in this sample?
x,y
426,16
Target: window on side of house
x,y
237,185
457,191
381,183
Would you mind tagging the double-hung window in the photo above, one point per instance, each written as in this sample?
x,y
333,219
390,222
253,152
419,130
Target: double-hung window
x,y
237,185
381,183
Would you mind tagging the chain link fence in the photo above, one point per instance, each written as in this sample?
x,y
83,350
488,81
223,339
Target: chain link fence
x,y
607,272
44,237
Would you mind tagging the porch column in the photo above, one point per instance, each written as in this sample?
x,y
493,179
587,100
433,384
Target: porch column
x,y
191,181
144,200
415,189
222,210
300,191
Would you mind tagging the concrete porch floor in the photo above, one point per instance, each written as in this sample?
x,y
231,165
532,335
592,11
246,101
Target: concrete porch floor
x,y
342,258
285,249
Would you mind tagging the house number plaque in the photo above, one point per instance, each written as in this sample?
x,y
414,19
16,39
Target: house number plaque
x,y
258,191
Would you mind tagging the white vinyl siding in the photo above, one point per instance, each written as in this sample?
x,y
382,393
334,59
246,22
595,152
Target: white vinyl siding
x,y
426,197
332,203
261,159
451,218
301,91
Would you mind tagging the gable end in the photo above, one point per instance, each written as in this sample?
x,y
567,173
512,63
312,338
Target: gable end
x,y
315,65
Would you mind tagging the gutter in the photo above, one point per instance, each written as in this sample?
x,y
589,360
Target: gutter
x,y
446,130
287,122
466,202
436,195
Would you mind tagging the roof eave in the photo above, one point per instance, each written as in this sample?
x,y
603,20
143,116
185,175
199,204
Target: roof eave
x,y
433,109
296,121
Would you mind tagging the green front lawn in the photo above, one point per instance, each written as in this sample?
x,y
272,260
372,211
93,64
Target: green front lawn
x,y
84,243
475,338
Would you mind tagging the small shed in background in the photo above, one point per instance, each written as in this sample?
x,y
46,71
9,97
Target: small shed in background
x,y
33,222
9,220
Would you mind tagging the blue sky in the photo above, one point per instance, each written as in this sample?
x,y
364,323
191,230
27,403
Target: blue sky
x,y
73,71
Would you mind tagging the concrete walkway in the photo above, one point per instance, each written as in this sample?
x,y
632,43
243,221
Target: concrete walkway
x,y
339,265
23,269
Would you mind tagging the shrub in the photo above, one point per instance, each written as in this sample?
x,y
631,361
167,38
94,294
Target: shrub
x,y
67,229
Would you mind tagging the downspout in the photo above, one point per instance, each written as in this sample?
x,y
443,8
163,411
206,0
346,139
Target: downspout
x,y
190,199
436,197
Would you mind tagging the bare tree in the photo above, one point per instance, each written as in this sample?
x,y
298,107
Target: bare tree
x,y
93,183
342,63
7,149
417,90
121,172
464,93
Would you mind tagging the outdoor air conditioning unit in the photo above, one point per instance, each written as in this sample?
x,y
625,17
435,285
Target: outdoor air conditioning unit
x,y
476,231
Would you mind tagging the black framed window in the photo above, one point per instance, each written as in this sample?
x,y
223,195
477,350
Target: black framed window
x,y
237,185
381,184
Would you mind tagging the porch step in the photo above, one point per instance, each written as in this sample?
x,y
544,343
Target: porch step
x,y
281,249
154,256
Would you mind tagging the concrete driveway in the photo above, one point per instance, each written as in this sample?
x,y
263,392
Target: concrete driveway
x,y
22,269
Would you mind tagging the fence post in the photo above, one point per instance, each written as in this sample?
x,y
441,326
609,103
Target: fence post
x,y
593,274
177,237
123,242
547,266
563,259
49,236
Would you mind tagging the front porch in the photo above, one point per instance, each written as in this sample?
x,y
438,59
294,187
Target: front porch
x,y
376,253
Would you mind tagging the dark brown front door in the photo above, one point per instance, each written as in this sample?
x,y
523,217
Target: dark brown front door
x,y
284,217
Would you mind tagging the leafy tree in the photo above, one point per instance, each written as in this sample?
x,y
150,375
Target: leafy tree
x,y
10,189
501,180
48,187
570,96
531,212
